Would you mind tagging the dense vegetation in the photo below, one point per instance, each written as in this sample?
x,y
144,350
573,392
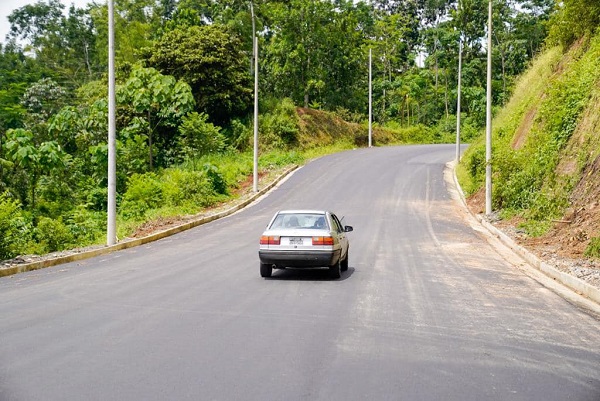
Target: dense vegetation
x,y
184,76
537,160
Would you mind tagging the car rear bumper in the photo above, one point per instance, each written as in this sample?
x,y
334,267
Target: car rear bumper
x,y
299,258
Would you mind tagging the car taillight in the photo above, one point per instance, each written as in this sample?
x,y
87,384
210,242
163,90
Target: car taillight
x,y
270,240
322,240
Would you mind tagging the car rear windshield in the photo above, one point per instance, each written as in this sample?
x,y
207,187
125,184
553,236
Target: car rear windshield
x,y
300,220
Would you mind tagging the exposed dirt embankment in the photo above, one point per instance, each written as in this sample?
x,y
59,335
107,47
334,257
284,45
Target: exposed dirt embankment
x,y
564,245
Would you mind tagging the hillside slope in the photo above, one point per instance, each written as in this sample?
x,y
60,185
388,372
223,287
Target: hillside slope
x,y
546,158
319,128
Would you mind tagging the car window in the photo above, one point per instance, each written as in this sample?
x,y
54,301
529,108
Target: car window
x,y
300,221
337,224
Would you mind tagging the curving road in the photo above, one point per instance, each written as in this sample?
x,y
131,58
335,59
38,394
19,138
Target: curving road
x,y
427,311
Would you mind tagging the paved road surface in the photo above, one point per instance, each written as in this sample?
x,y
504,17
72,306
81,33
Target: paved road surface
x,y
427,311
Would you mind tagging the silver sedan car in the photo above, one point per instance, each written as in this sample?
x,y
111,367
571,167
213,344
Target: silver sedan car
x,y
304,239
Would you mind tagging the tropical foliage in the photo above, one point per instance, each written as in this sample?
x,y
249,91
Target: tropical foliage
x,y
184,94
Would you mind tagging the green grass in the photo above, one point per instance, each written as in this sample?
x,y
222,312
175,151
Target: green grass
x,y
593,249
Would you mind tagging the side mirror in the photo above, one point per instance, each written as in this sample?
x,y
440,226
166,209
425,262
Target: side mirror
x,y
347,229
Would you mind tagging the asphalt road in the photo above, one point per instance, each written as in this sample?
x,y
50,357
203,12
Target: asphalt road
x,y
427,311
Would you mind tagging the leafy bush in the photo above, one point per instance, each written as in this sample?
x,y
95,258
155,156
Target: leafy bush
x,y
412,134
144,192
279,128
133,151
199,137
445,131
468,131
474,164
14,228
184,188
572,20
216,179
240,135
233,166
349,116
52,235
87,227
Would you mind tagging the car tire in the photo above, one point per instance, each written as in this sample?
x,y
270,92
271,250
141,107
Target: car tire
x,y
266,270
345,262
335,271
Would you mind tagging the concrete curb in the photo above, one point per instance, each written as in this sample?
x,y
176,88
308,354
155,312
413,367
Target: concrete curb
x,y
144,240
572,282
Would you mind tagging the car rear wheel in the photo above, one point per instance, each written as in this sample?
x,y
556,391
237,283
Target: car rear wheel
x,y
335,271
266,270
345,262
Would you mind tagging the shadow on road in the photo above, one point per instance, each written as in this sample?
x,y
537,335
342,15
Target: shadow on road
x,y
308,275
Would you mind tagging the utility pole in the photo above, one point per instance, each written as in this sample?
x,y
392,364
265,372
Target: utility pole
x,y
255,55
111,226
458,99
253,36
488,125
459,89
370,99
255,175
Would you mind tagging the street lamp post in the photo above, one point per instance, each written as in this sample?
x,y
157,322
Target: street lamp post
x,y
458,99
488,125
255,56
255,175
111,225
370,99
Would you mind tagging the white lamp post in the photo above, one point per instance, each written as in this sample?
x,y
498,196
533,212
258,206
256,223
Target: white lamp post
x,y
255,55
111,226
370,100
458,99
488,125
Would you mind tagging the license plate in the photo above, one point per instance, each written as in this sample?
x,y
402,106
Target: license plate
x,y
295,241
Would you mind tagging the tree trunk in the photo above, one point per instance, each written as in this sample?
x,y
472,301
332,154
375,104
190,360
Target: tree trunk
x,y
150,144
306,89
87,58
446,92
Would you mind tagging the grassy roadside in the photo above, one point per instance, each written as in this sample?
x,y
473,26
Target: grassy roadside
x,y
237,170
199,184
545,150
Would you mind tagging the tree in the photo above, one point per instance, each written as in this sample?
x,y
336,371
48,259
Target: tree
x,y
42,100
36,160
531,25
296,53
17,73
66,44
136,22
38,23
210,59
197,137
13,227
156,104
574,19
315,53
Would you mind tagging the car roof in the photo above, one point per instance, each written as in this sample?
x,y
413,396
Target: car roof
x,y
294,211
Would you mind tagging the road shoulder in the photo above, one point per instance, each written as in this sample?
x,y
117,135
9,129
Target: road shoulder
x,y
568,286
